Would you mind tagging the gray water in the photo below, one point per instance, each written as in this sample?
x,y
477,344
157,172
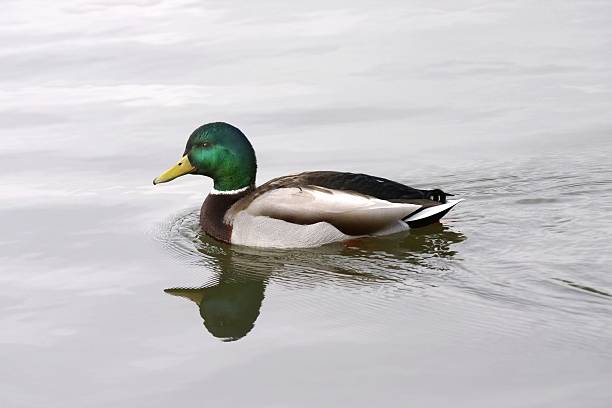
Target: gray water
x,y
111,296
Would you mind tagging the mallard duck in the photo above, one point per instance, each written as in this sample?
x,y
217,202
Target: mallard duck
x,y
302,210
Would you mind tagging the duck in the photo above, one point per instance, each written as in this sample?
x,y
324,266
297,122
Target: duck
x,y
308,209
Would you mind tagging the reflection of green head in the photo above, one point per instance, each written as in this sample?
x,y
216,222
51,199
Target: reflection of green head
x,y
222,152
229,309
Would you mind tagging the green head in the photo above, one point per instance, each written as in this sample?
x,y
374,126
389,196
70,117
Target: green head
x,y
220,151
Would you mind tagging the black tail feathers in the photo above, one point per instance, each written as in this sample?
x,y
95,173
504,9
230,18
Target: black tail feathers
x,y
437,195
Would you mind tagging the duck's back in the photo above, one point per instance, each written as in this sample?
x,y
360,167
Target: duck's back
x,y
372,186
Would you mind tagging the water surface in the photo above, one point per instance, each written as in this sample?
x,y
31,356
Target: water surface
x,y
111,296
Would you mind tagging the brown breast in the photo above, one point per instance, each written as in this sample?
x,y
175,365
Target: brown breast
x,y
213,210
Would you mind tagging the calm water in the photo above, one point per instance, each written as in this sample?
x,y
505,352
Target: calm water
x,y
112,297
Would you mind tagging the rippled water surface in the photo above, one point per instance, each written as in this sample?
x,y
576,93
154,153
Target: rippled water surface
x,y
111,296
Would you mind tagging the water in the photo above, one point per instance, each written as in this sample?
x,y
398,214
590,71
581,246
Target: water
x,y
112,297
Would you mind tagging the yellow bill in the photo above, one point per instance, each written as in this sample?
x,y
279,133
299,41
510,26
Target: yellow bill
x,y
181,168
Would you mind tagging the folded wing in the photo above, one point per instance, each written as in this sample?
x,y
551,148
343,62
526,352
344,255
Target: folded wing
x,y
350,212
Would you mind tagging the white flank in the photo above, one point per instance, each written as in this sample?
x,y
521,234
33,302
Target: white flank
x,y
266,232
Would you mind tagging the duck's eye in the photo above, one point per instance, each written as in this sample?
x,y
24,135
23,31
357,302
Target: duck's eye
x,y
205,145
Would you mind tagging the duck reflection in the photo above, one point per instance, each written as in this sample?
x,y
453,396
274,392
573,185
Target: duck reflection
x,y
229,309
230,306
418,245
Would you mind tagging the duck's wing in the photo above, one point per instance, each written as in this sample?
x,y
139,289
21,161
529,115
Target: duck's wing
x,y
373,186
351,213
354,203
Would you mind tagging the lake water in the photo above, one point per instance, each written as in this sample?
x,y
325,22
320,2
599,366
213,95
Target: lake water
x,y
112,297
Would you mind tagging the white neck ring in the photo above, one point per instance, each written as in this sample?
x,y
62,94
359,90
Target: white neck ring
x,y
228,192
